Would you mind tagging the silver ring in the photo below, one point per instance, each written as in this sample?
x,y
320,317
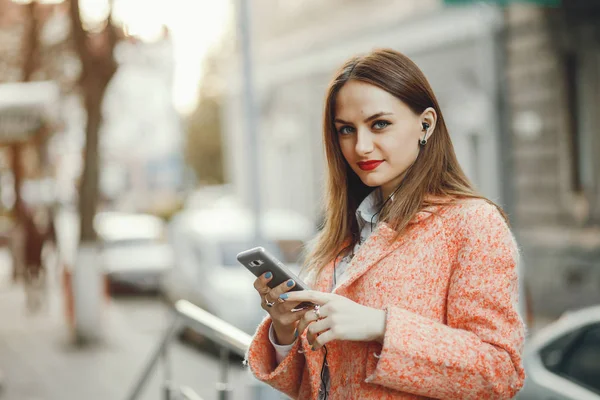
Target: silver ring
x,y
268,303
317,312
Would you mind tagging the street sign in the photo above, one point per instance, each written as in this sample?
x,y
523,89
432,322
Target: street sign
x,y
548,3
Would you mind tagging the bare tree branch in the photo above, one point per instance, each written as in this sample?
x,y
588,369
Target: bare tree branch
x,y
98,68
79,34
111,31
30,43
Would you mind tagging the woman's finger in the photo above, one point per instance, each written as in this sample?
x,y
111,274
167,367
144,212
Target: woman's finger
x,y
291,317
323,339
309,316
317,328
311,296
261,283
290,306
273,294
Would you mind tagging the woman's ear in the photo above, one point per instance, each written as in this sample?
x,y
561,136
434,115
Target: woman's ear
x,y
428,120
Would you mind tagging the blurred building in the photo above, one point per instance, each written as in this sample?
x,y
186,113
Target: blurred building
x,y
142,136
519,88
553,86
28,116
33,65
297,48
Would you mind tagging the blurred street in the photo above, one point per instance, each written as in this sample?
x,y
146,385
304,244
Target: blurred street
x,y
151,142
38,362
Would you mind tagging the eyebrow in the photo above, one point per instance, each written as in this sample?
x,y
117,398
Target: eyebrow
x,y
372,117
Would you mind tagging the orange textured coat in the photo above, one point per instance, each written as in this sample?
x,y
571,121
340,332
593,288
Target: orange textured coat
x,y
450,288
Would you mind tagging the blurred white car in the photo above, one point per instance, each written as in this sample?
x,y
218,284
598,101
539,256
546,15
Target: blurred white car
x,y
562,360
135,251
206,271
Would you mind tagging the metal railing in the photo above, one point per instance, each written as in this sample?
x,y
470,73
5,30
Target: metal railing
x,y
229,339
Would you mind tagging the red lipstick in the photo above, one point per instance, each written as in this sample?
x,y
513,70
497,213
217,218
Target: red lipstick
x,y
369,165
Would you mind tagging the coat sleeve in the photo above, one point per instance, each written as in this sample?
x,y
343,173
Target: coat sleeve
x,y
477,355
285,377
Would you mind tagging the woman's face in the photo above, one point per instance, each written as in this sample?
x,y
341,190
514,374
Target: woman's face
x,y
378,134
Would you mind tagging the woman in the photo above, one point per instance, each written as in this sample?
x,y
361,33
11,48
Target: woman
x,y
414,274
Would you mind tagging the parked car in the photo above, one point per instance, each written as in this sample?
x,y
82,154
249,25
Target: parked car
x,y
562,360
206,271
135,250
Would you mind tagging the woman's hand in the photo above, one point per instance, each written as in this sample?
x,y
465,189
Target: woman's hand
x,y
337,318
284,319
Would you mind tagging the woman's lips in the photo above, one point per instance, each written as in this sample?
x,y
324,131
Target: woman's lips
x,y
369,165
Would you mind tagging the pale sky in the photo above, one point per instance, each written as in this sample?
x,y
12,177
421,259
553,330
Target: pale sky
x,y
195,26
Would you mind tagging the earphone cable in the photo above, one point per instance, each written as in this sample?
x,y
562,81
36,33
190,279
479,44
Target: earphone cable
x,y
323,383
384,203
390,197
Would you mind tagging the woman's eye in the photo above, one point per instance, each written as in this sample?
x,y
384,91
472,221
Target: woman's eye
x,y
345,130
380,124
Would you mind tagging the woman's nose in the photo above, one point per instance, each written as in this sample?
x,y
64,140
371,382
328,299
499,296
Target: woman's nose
x,y
364,143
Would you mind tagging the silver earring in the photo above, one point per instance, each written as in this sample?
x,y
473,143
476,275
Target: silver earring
x,y
423,141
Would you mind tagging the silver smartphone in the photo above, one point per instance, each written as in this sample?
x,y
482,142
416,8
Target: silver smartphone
x,y
258,261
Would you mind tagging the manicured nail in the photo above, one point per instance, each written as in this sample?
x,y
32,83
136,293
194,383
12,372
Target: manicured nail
x,y
283,296
290,283
268,275
296,333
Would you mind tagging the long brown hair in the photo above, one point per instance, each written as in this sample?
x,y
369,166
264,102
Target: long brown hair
x,y
436,173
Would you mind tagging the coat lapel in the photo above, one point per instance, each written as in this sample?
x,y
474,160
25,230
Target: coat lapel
x,y
325,280
376,247
379,244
